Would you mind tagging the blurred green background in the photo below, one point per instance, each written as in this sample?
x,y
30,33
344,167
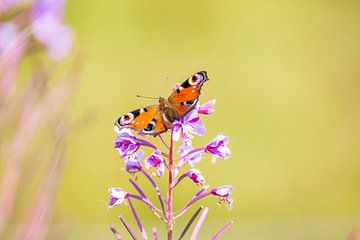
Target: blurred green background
x,y
286,78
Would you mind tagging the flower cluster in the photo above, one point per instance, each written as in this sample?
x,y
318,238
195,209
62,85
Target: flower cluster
x,y
128,145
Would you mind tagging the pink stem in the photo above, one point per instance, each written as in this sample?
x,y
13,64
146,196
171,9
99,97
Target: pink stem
x,y
188,205
199,224
222,230
141,228
155,235
130,230
162,140
161,198
148,144
146,200
188,225
180,178
196,150
170,189
116,234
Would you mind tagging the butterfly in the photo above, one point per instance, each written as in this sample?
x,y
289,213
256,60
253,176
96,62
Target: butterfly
x,y
156,119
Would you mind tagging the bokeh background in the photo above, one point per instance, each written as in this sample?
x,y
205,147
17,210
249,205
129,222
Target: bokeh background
x,y
286,76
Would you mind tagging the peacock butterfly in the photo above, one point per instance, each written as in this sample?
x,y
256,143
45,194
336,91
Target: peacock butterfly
x,y
156,119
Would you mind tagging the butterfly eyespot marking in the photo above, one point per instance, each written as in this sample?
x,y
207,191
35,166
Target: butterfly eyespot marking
x,y
188,103
126,119
150,127
196,79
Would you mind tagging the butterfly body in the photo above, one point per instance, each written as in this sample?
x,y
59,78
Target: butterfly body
x,y
156,119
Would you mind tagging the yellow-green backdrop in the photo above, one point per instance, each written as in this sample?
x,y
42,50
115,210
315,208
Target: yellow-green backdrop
x,y
286,76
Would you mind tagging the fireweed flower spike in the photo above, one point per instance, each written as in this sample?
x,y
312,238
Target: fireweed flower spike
x,y
155,161
117,197
218,147
162,161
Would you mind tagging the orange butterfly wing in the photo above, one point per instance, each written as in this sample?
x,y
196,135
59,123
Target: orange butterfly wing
x,y
185,96
147,120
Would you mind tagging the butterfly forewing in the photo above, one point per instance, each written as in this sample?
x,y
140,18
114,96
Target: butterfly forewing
x,y
185,96
147,119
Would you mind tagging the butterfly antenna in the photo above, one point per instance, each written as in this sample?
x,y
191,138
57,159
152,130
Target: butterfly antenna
x,y
139,96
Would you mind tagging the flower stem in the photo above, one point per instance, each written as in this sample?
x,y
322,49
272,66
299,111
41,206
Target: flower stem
x,y
130,230
141,228
116,234
199,224
188,225
222,230
170,189
192,201
162,140
155,235
161,198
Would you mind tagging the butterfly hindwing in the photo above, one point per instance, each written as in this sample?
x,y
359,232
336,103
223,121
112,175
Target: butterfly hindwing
x,y
185,96
147,120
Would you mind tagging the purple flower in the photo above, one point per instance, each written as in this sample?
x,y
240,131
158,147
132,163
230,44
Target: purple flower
x,y
8,36
223,193
156,161
5,5
195,176
206,108
53,7
48,29
133,162
56,37
192,158
188,125
126,143
117,197
218,147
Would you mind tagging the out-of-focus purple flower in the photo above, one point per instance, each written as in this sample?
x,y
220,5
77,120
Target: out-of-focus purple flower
x,y
192,158
206,108
188,125
224,194
8,36
218,147
48,28
117,196
56,37
53,7
195,176
155,160
133,162
126,143
5,5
